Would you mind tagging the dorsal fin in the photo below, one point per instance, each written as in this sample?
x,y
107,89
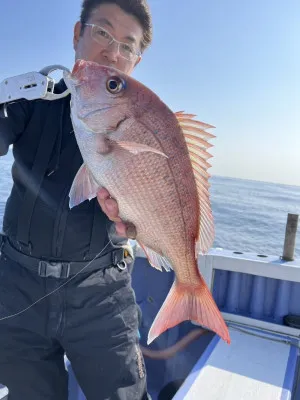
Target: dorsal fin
x,y
187,119
197,142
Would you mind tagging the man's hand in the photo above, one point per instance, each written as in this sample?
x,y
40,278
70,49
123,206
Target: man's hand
x,y
111,209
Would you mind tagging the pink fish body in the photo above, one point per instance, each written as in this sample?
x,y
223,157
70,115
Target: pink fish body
x,y
154,163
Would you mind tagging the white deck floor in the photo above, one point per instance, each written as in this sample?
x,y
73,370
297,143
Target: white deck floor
x,y
251,368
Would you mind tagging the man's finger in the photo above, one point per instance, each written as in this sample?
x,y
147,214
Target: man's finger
x,y
103,194
108,205
131,231
111,207
126,230
121,229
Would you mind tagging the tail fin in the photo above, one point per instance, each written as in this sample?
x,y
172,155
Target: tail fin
x,y
186,302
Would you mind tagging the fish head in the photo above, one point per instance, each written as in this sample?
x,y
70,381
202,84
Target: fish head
x,y
103,96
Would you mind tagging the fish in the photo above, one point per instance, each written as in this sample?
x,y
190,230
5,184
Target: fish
x,y
154,163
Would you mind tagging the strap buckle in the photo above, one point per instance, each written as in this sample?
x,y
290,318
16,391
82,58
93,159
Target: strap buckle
x,y
122,265
119,257
54,269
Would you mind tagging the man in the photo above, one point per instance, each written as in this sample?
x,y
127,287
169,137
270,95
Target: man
x,y
91,314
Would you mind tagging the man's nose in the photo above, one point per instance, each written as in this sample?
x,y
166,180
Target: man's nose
x,y
111,52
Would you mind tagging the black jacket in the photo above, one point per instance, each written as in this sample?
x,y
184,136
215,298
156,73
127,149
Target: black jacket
x,y
54,231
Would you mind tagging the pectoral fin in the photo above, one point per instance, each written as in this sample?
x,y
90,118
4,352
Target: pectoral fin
x,y
136,148
84,187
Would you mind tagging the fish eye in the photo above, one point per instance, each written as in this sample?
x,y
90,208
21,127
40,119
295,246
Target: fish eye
x,y
115,85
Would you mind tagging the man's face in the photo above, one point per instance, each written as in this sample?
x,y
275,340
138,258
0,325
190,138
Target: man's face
x,y
96,43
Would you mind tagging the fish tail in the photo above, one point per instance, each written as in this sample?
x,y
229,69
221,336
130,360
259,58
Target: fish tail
x,y
189,302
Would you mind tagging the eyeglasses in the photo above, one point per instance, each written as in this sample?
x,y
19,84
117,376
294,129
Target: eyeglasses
x,y
105,39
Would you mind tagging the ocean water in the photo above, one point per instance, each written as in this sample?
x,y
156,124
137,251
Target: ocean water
x,y
250,216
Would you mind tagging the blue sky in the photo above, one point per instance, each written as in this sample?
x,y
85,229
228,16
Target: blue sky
x,y
235,64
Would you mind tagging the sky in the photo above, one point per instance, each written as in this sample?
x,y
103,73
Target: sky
x,y
235,64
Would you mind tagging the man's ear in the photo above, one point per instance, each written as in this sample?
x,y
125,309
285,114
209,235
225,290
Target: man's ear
x,y
138,61
77,30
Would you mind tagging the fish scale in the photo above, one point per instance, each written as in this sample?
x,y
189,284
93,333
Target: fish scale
x,y
137,196
153,162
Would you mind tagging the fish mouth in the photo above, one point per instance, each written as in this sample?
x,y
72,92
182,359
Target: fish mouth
x,y
99,110
91,113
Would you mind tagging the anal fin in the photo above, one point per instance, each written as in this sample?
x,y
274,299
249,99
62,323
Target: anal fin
x,y
156,260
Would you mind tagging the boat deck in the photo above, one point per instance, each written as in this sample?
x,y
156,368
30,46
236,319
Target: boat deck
x,y
254,293
255,366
